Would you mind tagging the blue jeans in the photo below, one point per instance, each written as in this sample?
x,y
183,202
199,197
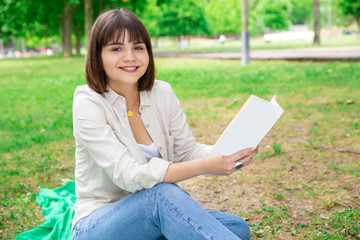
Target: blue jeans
x,y
163,212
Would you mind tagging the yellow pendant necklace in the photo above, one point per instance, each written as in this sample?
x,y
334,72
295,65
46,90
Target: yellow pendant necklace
x,y
130,112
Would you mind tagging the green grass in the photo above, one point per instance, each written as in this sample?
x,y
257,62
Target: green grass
x,y
257,43
231,79
304,183
36,100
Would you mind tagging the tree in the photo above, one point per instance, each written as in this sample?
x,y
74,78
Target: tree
x,y
256,25
223,16
300,11
67,26
150,17
88,19
12,19
316,22
26,18
182,18
78,25
352,8
274,14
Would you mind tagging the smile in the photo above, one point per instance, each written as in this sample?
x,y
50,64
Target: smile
x,y
132,68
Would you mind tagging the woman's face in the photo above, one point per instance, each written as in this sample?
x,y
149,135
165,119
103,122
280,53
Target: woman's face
x,y
124,62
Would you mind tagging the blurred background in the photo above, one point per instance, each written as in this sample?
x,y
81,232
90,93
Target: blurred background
x,y
39,27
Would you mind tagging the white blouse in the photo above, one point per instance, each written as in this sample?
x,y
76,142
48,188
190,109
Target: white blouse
x,y
109,163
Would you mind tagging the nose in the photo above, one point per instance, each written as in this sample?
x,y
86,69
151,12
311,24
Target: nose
x,y
129,55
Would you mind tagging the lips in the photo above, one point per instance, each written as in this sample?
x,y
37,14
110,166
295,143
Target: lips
x,y
129,68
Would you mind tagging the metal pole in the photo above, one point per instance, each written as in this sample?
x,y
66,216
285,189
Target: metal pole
x,y
245,36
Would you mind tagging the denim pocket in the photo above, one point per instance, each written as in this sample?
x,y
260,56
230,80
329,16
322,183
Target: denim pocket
x,y
78,225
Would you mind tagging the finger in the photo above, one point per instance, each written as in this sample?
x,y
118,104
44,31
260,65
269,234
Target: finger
x,y
242,153
252,154
247,159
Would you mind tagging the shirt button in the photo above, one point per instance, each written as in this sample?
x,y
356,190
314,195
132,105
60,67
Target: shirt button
x,y
160,148
147,125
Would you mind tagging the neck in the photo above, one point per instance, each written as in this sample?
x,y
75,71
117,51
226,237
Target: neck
x,y
130,93
133,101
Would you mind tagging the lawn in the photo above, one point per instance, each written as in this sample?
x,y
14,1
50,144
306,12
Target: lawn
x,y
303,184
256,43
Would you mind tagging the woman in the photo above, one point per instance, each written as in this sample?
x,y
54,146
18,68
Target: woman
x,y
133,144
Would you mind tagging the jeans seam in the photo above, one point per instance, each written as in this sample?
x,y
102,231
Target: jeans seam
x,y
92,225
85,228
179,214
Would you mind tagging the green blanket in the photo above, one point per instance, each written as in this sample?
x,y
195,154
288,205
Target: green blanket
x,y
58,206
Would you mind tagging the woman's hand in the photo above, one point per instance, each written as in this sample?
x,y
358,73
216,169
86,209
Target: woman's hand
x,y
214,164
225,165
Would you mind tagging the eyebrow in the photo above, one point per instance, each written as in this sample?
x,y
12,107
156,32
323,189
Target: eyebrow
x,y
120,43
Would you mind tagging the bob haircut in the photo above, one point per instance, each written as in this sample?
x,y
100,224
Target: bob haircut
x,y
111,26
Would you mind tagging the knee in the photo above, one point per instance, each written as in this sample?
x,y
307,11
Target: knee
x,y
242,229
165,187
234,223
168,191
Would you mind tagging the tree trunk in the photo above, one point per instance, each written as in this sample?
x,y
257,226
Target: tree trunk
x,y
62,34
88,19
78,37
316,22
23,46
1,47
68,19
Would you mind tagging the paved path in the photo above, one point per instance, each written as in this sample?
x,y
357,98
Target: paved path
x,y
301,54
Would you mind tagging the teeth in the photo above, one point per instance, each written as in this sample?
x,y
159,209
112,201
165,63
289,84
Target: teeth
x,y
129,68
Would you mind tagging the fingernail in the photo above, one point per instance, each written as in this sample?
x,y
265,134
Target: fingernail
x,y
252,149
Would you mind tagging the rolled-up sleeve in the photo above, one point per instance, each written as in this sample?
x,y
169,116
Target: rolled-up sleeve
x,y
105,151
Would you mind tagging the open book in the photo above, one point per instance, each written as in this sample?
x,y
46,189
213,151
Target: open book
x,y
250,125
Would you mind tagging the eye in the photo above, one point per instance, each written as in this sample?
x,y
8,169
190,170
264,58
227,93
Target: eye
x,y
116,49
139,47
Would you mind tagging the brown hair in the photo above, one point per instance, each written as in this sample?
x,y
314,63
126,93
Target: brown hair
x,y
110,26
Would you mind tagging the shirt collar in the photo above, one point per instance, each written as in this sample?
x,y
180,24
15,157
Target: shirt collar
x,y
144,98
112,96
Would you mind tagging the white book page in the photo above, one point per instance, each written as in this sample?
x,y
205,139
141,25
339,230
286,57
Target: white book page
x,y
249,127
